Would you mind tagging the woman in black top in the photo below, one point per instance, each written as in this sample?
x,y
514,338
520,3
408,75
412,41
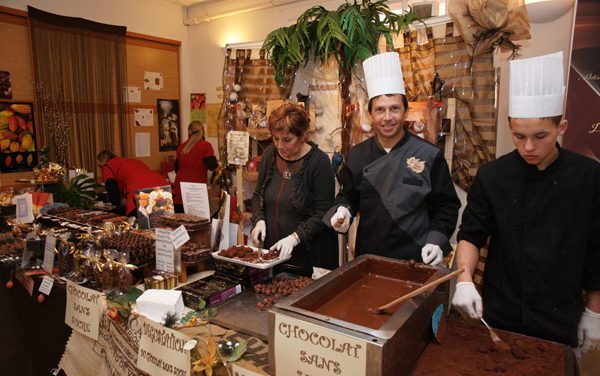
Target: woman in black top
x,y
295,188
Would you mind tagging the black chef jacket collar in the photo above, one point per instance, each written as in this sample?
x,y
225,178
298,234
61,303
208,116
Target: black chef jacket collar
x,y
533,171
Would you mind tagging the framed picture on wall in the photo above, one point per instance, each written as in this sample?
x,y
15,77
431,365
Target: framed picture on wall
x,y
17,137
168,124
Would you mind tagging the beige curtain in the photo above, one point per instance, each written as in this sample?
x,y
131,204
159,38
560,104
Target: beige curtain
x,y
80,72
471,80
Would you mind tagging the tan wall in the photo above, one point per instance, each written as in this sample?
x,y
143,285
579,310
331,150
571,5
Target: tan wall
x,y
144,53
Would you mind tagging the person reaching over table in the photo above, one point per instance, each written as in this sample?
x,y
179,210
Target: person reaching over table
x,y
194,158
399,183
123,176
541,206
295,187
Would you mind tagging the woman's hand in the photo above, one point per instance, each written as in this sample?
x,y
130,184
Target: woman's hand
x,y
259,233
286,245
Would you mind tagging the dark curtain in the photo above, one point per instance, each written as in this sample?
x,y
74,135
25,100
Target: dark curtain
x,y
80,68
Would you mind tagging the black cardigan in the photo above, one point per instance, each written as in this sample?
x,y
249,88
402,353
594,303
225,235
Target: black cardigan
x,y
313,194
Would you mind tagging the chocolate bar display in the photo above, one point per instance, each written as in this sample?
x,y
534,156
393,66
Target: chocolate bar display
x,y
213,290
138,244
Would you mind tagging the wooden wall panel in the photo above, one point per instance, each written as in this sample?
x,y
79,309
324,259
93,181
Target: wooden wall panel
x,y
144,53
152,57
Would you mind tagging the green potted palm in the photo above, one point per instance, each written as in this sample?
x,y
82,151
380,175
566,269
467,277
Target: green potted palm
x,y
348,34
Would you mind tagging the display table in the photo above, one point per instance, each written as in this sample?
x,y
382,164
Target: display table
x,y
36,336
33,335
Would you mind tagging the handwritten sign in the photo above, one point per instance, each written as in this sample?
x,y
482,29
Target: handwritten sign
x,y
46,285
308,349
161,350
179,236
49,247
238,143
165,258
83,310
195,199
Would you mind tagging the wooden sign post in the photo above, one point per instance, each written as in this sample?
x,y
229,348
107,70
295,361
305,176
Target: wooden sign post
x,y
238,143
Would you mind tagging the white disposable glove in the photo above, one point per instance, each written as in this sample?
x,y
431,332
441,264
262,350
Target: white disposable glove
x,y
467,300
432,254
286,245
340,221
259,233
589,330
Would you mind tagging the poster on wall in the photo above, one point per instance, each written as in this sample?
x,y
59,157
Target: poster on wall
x,y
583,96
143,117
153,81
168,124
5,85
17,137
198,107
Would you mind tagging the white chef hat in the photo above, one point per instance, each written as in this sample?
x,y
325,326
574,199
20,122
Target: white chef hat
x,y
383,74
537,87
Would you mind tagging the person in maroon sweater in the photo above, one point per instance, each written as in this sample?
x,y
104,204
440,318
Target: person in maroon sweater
x,y
123,176
194,158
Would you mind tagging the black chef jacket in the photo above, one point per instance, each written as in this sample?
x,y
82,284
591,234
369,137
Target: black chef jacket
x,y
545,231
406,197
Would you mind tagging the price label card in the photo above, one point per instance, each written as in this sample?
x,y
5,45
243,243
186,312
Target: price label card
x,y
24,212
179,237
49,248
164,251
46,286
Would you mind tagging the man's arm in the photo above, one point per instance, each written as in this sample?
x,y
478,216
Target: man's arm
x,y
467,255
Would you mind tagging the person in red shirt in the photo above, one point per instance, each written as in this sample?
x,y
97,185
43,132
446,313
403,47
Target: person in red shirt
x,y
123,176
194,158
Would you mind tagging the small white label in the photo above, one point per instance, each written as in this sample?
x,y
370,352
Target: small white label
x,y
164,251
179,236
46,286
49,247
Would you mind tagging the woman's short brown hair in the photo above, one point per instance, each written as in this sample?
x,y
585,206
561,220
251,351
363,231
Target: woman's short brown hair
x,y
291,118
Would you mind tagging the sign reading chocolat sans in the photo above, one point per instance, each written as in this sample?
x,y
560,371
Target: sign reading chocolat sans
x,y
303,348
84,307
161,350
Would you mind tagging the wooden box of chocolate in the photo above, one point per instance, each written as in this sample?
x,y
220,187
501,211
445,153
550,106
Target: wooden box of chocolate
x,y
329,327
198,228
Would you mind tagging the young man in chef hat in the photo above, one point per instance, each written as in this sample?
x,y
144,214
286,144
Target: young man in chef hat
x,y
399,183
541,206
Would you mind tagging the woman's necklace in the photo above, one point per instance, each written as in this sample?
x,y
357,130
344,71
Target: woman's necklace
x,y
289,164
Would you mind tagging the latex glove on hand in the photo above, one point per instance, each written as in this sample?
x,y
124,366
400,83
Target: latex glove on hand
x,y
286,245
340,221
467,300
589,330
259,233
432,254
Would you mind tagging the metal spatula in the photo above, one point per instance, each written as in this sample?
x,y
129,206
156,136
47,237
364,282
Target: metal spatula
x,y
495,338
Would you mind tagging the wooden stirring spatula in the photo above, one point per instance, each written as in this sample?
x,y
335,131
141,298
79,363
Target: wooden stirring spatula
x,y
495,338
426,287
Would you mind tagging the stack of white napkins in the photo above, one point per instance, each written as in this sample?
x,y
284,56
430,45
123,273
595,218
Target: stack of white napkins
x,y
155,304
